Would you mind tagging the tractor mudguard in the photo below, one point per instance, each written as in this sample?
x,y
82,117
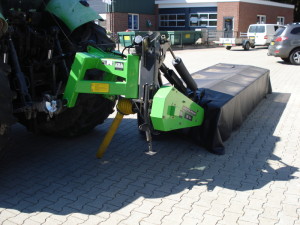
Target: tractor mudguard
x,y
73,13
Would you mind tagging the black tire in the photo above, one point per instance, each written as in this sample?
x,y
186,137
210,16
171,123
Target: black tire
x,y
287,60
295,57
6,114
252,46
90,109
247,46
228,47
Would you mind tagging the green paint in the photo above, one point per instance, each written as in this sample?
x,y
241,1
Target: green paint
x,y
72,12
171,110
3,25
121,75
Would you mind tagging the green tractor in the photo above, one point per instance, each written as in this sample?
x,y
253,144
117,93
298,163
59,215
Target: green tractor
x,y
38,43
60,74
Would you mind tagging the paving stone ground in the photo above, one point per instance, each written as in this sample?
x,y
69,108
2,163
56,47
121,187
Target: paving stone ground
x,y
47,180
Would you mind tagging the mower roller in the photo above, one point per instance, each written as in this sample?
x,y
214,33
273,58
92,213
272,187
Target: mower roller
x,y
135,80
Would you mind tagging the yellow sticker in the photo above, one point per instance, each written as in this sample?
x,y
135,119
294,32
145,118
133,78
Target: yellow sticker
x,y
188,36
127,38
98,87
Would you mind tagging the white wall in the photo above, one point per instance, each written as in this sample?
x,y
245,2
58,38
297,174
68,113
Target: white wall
x,y
98,5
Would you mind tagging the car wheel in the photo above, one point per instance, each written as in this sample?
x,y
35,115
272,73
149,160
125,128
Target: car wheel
x,y
252,46
228,47
286,59
247,46
295,57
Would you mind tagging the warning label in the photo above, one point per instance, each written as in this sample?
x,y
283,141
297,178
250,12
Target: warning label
x,y
188,113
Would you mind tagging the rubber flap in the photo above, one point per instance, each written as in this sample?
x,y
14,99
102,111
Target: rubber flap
x,y
228,93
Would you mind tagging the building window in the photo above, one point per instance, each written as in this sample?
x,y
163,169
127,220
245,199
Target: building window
x,y
280,20
261,19
203,19
133,21
172,20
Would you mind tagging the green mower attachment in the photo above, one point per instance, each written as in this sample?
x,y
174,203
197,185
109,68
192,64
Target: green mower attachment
x,y
137,78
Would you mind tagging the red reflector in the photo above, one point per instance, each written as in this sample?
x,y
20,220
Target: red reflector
x,y
281,39
266,37
277,51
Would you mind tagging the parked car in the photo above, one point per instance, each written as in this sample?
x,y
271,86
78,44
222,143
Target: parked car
x,y
262,33
286,43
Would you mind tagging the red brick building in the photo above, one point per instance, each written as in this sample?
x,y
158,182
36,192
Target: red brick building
x,y
232,15
244,13
124,15
235,15
117,21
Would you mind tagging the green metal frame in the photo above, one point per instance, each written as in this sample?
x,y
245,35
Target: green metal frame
x,y
121,75
72,12
172,110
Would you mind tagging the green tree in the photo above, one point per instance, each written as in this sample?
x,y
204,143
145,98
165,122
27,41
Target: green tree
x,y
296,3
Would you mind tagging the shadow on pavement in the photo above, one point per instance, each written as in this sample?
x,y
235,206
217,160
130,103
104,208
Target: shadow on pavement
x,y
62,176
241,49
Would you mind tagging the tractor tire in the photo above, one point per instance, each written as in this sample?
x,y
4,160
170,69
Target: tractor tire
x,y
90,109
6,114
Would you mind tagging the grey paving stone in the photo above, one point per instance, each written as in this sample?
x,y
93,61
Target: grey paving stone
x,y
256,182
40,217
59,204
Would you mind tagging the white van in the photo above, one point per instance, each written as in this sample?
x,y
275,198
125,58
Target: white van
x,y
262,33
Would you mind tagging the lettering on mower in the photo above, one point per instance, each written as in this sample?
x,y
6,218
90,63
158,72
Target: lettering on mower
x,y
188,113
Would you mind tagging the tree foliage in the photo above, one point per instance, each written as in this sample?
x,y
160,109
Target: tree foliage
x,y
296,3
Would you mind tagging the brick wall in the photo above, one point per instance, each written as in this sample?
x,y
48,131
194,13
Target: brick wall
x,y
228,9
116,22
246,13
249,12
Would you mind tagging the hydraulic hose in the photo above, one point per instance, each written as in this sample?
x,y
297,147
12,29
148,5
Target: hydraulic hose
x,y
184,74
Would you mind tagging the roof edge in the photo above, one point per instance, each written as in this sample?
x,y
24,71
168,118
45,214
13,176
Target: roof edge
x,y
270,3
